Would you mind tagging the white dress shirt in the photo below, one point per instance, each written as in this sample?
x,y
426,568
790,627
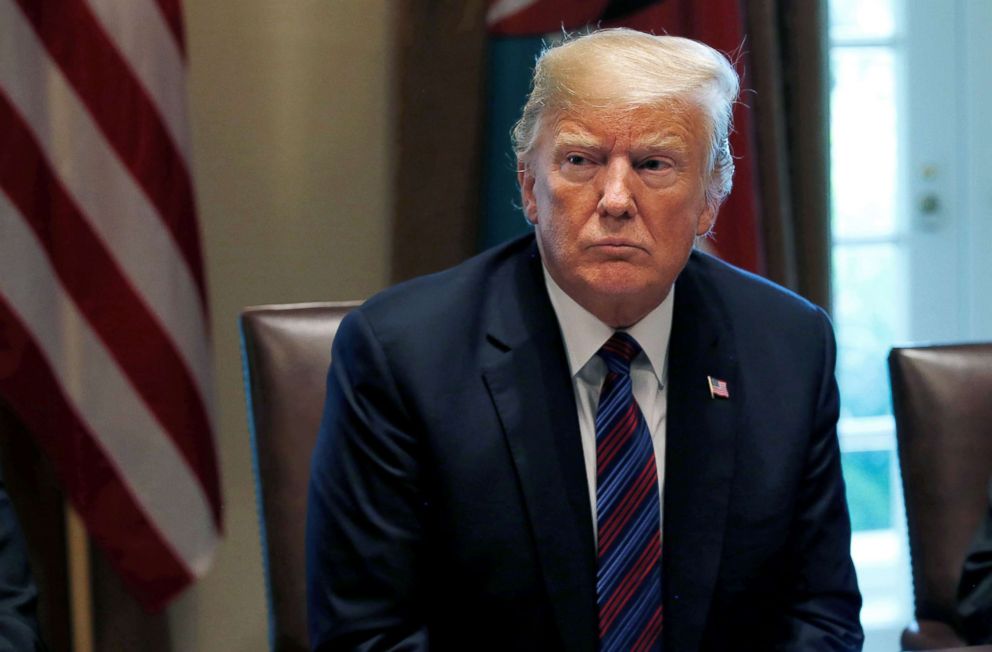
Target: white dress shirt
x,y
584,335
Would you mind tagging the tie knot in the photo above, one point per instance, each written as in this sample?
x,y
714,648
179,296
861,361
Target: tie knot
x,y
619,351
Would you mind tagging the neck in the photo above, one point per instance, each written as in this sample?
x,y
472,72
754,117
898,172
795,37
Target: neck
x,y
620,312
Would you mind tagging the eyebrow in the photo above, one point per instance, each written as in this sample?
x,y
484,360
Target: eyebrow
x,y
579,139
661,140
651,141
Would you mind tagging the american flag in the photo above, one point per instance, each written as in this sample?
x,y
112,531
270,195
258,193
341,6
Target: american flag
x,y
104,351
718,388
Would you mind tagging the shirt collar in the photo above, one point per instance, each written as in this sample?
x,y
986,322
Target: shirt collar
x,y
585,334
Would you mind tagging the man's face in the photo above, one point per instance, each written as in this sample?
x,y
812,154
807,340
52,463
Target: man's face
x,y
616,199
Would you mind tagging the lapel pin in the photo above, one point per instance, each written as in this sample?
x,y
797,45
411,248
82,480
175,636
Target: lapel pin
x,y
718,388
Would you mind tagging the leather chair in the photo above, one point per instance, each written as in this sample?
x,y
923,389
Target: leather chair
x,y
286,350
942,400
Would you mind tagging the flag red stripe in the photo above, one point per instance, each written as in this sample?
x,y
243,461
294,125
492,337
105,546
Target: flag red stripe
x,y
115,311
173,15
122,109
113,517
543,17
720,24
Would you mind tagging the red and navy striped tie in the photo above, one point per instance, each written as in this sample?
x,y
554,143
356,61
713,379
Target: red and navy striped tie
x,y
628,583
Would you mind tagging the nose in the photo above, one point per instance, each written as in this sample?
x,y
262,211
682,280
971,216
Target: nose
x,y
617,198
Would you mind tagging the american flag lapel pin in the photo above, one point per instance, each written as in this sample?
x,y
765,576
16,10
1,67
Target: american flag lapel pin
x,y
718,388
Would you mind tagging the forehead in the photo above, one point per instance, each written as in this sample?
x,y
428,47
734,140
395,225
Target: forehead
x,y
662,125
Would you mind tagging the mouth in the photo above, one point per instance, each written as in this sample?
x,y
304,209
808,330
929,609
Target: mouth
x,y
616,246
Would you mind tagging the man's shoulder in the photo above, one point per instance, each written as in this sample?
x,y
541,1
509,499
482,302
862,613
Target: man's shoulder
x,y
759,313
441,298
742,292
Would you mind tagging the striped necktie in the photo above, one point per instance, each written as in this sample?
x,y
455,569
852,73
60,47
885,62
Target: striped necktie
x,y
628,582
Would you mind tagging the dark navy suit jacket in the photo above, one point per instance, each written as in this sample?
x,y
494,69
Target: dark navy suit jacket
x,y
18,597
974,607
448,500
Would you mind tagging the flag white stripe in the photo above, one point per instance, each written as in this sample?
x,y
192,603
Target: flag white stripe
x,y
106,192
144,456
142,36
505,8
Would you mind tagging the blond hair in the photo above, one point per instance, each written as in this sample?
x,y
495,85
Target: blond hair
x,y
624,68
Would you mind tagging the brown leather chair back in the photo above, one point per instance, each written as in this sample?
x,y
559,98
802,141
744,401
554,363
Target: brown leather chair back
x,y
286,351
942,399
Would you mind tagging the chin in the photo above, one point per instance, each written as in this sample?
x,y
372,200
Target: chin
x,y
623,281
617,289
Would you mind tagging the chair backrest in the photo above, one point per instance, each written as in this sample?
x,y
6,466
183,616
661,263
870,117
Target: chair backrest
x,y
286,350
942,399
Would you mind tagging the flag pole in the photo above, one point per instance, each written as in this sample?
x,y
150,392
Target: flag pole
x,y
80,581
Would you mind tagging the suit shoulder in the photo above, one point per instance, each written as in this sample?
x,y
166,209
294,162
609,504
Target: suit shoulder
x,y
745,293
436,301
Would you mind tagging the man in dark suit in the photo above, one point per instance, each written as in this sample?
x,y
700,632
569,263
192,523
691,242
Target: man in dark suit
x,y
18,596
591,437
974,605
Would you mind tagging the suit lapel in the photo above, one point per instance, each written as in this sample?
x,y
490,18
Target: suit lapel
x,y
700,454
528,381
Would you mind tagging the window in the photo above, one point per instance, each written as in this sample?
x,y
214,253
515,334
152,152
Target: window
x,y
869,285
910,233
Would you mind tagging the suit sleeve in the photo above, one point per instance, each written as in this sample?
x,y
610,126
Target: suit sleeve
x,y
18,597
825,605
365,532
975,589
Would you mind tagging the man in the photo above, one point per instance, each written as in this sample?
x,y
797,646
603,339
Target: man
x,y
579,440
18,596
974,605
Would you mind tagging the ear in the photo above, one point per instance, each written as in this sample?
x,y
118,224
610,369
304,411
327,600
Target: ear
x,y
525,179
707,219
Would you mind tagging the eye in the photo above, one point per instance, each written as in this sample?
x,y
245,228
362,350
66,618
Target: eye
x,y
655,164
576,159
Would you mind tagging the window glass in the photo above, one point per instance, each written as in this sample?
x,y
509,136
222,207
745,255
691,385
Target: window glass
x,y
869,314
868,477
861,19
863,142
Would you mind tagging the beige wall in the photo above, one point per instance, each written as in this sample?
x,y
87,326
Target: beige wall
x,y
291,131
